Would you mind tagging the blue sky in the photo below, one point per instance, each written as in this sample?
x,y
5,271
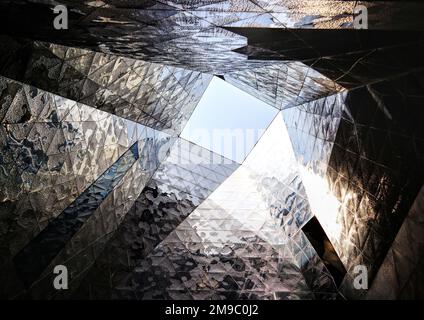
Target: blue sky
x,y
228,121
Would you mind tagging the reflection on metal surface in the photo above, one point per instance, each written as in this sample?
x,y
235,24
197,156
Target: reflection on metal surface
x,y
397,279
161,97
324,204
283,85
182,182
335,179
233,245
172,31
32,260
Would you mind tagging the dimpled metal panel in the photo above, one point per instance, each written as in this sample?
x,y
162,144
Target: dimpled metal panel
x,y
92,115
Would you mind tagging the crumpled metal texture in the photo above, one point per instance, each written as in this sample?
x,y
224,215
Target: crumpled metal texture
x,y
374,170
161,97
280,187
52,150
283,85
36,255
232,245
99,229
312,128
351,58
371,162
183,181
47,156
169,31
346,148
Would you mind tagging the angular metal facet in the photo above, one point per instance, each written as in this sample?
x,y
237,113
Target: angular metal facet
x,y
95,174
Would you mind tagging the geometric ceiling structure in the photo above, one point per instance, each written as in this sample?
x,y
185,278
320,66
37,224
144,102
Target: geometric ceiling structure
x,y
96,175
155,95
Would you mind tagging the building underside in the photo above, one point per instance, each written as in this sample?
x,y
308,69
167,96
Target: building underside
x,y
95,176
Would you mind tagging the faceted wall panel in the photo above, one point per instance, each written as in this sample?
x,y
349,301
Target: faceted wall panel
x,y
52,150
98,229
234,245
351,58
95,176
33,259
181,183
312,128
158,96
168,32
283,85
375,169
45,159
400,275
278,180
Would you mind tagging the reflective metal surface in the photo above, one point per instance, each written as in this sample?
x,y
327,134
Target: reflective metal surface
x,y
234,245
158,96
95,176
